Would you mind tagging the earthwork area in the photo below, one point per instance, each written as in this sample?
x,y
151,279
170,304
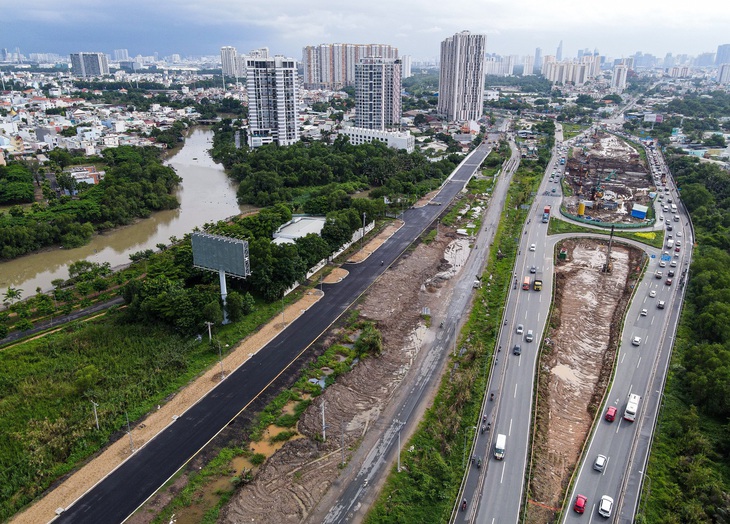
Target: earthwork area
x,y
576,363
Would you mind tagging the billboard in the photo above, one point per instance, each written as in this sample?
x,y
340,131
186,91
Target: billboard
x,y
215,253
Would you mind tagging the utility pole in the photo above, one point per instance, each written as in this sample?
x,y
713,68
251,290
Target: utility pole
x,y
210,337
129,432
96,417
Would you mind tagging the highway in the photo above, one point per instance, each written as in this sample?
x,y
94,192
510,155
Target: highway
x,y
640,370
119,494
494,491
352,502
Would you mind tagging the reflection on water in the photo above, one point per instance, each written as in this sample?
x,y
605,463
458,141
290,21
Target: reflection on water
x,y
206,194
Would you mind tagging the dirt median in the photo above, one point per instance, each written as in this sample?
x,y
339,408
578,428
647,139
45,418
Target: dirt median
x,y
576,364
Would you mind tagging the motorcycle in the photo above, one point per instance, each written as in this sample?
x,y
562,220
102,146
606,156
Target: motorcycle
x,y
441,325
484,428
463,505
479,463
491,396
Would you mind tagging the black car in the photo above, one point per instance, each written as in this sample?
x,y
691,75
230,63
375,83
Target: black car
x,y
517,350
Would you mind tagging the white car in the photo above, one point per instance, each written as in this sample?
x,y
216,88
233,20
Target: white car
x,y
533,247
673,263
644,312
600,462
605,506
679,233
636,341
652,293
662,264
520,329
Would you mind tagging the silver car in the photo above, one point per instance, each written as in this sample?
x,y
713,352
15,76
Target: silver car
x,y
600,462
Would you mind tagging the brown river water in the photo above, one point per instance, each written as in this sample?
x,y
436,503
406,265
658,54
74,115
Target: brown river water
x,y
206,194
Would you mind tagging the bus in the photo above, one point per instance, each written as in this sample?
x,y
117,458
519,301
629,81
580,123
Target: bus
x,y
526,283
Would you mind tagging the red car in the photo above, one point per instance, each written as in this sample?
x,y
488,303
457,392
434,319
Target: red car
x,y
668,282
676,249
580,504
611,413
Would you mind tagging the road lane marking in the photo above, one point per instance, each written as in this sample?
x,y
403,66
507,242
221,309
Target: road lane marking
x,y
501,477
638,363
515,395
509,432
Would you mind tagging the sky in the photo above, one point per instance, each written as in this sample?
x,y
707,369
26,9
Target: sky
x,y
616,28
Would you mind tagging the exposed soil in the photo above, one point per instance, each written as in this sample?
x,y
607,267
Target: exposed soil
x,y
607,175
289,484
576,363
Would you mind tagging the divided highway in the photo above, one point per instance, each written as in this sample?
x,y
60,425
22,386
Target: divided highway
x,y
118,495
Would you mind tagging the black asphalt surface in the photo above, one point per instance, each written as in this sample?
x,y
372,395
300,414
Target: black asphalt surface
x,y
117,496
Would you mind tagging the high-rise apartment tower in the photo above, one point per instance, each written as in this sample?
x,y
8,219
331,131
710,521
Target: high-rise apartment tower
x,y
89,64
378,93
461,80
272,100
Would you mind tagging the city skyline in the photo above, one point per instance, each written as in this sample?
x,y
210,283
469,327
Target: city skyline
x,y
617,29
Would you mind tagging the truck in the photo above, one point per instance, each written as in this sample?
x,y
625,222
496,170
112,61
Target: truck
x,y
674,208
499,446
537,284
546,214
670,243
526,283
632,407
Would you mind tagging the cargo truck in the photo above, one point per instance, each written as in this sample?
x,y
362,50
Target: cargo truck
x,y
632,407
546,214
537,284
499,446
526,283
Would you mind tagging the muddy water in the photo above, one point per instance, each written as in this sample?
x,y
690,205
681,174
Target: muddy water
x,y
206,194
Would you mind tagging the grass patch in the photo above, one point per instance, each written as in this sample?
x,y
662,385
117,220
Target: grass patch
x,y
283,436
651,238
572,130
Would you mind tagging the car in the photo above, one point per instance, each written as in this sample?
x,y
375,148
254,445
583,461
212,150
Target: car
x,y
673,263
529,337
670,273
662,264
520,329
533,247
533,269
661,218
636,341
600,462
679,235
611,413
660,305
517,349
581,501
658,274
605,506
644,312
676,249
668,282
669,227
552,190
652,293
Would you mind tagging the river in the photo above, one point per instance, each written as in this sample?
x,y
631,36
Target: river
x,y
206,194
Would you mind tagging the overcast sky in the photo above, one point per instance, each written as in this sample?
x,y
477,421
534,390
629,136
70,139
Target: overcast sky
x,y
198,27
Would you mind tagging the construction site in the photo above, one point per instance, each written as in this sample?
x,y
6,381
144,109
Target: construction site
x,y
607,181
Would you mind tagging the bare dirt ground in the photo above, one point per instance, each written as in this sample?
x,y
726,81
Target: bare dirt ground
x,y
576,364
290,484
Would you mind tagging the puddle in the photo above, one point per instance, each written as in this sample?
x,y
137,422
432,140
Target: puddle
x,y
265,446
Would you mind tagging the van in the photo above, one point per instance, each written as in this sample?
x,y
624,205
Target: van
x,y
529,336
499,446
632,407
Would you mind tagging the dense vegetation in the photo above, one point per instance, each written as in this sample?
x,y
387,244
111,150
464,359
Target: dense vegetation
x,y
16,184
714,104
272,174
689,467
136,184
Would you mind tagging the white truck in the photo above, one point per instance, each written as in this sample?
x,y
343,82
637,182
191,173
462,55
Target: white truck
x,y
499,446
632,407
670,243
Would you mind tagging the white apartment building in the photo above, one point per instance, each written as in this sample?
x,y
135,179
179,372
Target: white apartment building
x,y
394,139
89,64
378,93
618,82
406,60
332,66
528,65
229,61
272,100
723,74
461,79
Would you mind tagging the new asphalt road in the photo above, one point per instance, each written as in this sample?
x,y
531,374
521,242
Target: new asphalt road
x,y
119,494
